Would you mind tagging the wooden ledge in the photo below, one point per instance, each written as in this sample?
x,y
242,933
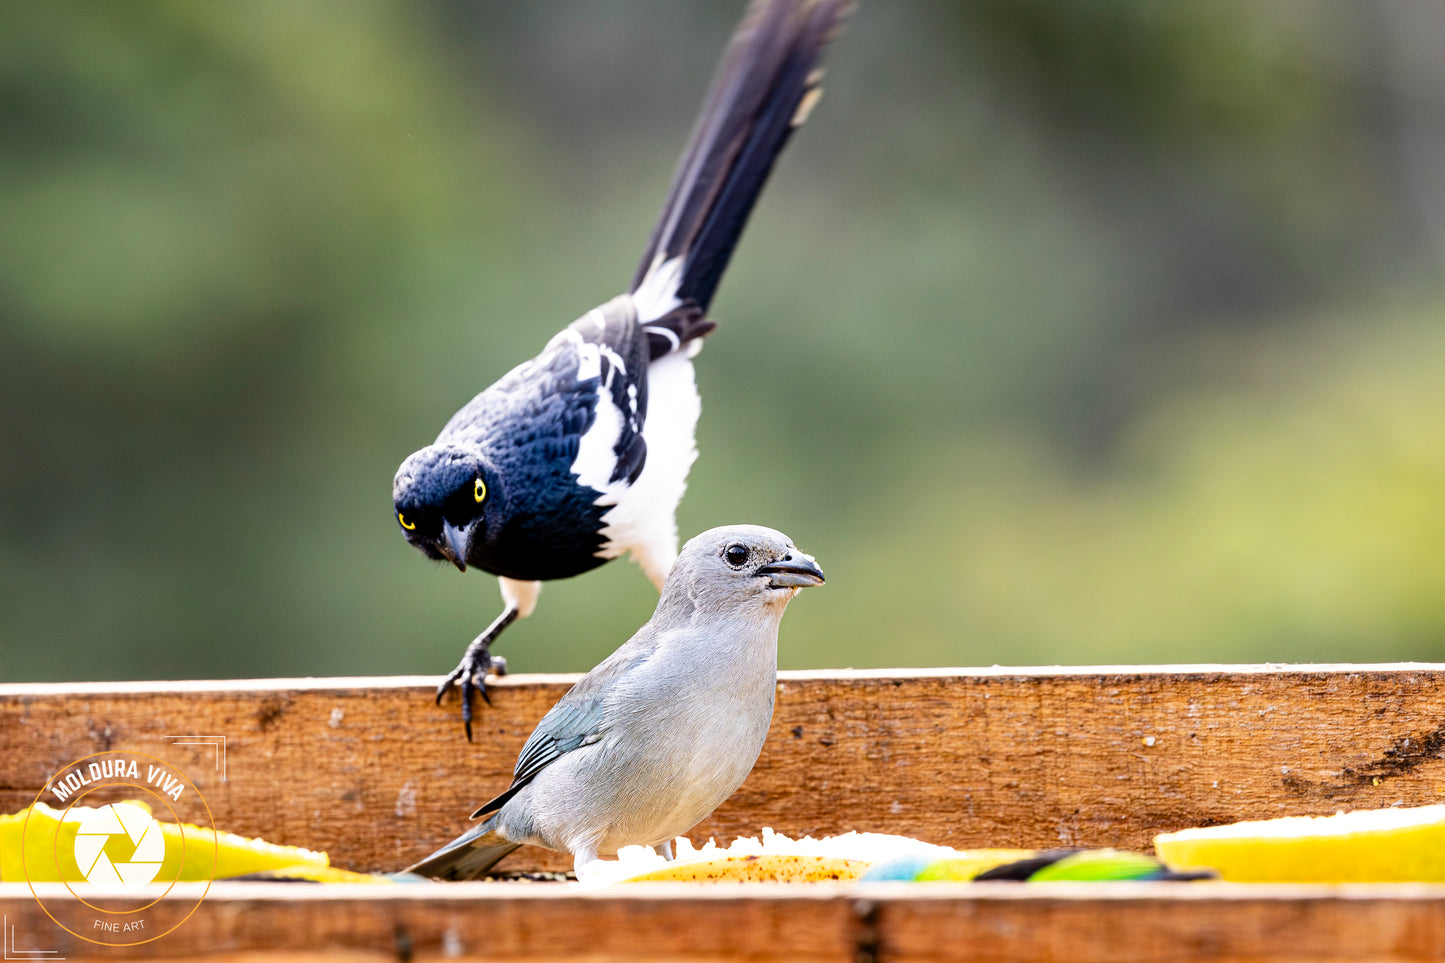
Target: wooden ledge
x,y
1084,923
525,680
373,772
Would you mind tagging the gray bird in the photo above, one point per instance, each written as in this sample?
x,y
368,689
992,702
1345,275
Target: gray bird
x,y
651,741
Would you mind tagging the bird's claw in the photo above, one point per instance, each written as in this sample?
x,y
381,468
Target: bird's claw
x,y
471,673
470,676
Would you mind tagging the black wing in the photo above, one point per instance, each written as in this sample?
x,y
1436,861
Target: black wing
x,y
534,417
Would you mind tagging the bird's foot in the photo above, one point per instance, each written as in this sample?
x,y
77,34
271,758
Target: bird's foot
x,y
470,675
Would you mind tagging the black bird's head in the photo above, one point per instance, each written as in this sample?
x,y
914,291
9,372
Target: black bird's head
x,y
442,495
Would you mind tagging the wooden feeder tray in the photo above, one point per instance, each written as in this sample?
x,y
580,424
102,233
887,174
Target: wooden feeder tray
x,y
370,771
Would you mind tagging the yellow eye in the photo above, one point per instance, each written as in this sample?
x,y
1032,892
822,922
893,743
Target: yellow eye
x,y
409,526
479,491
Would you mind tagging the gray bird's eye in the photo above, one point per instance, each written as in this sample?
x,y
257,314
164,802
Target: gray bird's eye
x,y
736,555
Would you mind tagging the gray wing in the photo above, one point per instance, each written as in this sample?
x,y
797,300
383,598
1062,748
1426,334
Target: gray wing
x,y
578,719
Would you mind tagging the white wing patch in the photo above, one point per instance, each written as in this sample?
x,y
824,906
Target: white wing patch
x,y
596,454
618,366
643,518
589,355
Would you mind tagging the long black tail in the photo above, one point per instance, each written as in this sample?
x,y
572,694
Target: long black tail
x,y
764,88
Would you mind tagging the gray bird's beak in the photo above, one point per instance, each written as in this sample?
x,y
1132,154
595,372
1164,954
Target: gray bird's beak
x,y
454,543
792,573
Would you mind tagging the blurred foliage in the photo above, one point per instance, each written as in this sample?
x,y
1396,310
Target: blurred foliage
x,y
1066,332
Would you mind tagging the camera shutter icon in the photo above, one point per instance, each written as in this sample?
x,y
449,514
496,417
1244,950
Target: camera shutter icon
x,y
147,846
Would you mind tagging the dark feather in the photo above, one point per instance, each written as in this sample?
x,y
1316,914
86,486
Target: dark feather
x,y
1021,869
767,80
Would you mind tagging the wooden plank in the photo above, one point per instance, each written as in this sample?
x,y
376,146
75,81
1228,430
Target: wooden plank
x,y
991,923
468,921
1161,922
372,772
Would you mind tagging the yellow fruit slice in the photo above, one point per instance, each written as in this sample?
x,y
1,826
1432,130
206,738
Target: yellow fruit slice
x,y
757,869
1366,846
969,864
191,852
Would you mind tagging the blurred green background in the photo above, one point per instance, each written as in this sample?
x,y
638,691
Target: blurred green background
x,y
1065,333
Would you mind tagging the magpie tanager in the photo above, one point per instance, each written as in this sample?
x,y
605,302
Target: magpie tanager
x,y
581,454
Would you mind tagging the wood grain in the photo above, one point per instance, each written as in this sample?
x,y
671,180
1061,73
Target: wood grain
x,y
987,923
372,772
471,921
1155,923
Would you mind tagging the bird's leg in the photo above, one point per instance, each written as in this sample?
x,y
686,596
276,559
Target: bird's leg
x,y
476,662
664,850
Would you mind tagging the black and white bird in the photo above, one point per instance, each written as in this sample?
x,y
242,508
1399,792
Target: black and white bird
x,y
581,454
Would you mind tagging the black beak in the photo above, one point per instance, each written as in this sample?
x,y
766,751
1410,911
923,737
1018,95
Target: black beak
x,y
792,573
450,555
453,544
